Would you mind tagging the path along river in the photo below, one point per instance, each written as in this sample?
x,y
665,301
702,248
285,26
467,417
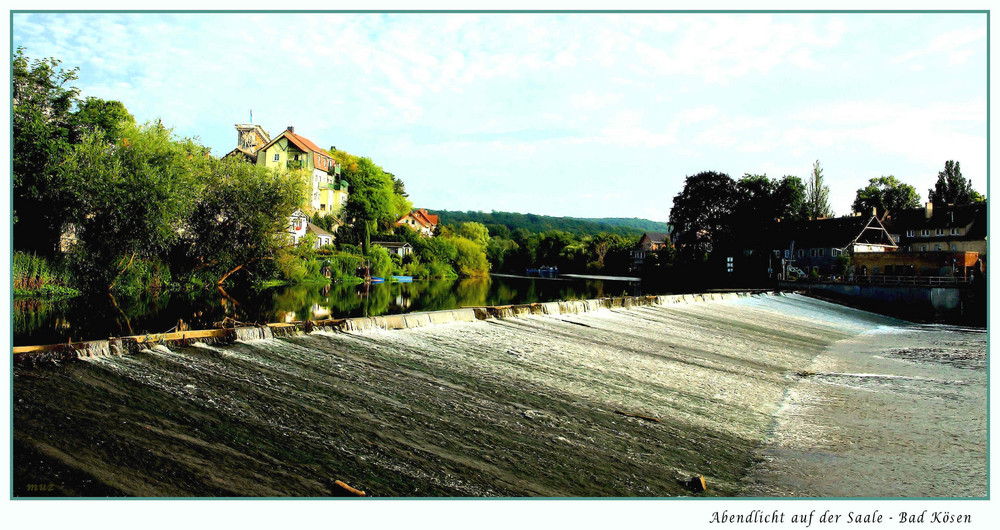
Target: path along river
x,y
764,396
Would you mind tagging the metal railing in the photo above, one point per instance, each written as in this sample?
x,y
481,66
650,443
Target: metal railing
x,y
883,279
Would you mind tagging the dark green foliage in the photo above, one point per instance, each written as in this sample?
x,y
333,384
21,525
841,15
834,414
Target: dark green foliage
x,y
952,188
703,210
239,218
885,194
42,128
131,198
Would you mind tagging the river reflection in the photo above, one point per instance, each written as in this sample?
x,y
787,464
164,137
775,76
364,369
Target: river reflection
x,y
44,322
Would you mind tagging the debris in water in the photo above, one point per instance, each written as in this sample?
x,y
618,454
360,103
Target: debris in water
x,y
341,489
697,484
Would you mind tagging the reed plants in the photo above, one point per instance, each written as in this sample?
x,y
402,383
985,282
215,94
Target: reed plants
x,y
35,276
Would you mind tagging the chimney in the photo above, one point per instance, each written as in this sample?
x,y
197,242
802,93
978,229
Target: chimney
x,y
928,210
291,129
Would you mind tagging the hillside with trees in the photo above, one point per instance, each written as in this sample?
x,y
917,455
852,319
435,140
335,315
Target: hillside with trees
x,y
537,224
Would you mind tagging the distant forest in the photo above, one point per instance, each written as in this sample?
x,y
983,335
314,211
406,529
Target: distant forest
x,y
543,223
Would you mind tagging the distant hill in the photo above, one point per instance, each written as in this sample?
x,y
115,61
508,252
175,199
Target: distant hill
x,y
544,223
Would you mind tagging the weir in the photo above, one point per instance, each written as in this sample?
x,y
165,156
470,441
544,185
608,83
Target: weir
x,y
117,346
616,398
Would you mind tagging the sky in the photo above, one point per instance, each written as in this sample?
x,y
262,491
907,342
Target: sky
x,y
583,115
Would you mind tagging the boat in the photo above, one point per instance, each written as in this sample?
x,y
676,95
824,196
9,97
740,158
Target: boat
x,y
403,279
376,279
543,271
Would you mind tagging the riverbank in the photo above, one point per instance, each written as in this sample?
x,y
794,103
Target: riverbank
x,y
520,406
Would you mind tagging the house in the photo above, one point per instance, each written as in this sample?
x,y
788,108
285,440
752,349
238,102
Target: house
x,y
323,238
813,246
421,221
294,151
648,243
899,266
333,197
942,228
298,226
399,248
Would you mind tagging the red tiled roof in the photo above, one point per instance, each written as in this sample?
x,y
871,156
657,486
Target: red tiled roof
x,y
306,146
429,218
422,217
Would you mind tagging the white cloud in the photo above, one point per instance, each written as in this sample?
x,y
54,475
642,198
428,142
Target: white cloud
x,y
952,42
592,100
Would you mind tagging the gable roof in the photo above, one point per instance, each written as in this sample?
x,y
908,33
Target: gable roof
x,y
656,237
421,216
318,231
836,232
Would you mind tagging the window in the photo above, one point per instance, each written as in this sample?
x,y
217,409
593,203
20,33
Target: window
x,y
820,251
729,265
956,231
812,253
954,247
276,155
835,252
911,233
939,232
925,232
802,253
937,247
787,254
923,248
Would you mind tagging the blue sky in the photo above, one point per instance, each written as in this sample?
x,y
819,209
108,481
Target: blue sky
x,y
587,115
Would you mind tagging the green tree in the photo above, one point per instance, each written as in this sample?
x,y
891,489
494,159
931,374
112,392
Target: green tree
x,y
370,203
475,232
42,124
885,194
817,203
790,196
952,188
240,218
702,211
131,198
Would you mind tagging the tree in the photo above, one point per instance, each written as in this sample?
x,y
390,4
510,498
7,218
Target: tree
x,y
370,203
476,232
240,218
885,194
790,196
131,198
952,188
702,211
817,202
42,126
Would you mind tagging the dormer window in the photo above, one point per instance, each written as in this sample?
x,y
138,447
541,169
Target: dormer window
x,y
911,233
940,232
925,233
956,231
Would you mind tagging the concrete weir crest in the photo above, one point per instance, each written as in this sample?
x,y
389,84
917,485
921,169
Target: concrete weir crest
x,y
117,346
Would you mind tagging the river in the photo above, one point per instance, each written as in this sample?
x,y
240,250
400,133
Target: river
x,y
99,317
770,395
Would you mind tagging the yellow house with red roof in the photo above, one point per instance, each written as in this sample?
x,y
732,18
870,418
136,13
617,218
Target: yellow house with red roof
x,y
328,193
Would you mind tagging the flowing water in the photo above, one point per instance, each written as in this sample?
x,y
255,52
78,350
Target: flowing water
x,y
532,405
